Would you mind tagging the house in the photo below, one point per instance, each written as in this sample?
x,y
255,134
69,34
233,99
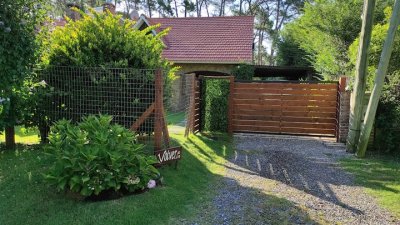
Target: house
x,y
204,45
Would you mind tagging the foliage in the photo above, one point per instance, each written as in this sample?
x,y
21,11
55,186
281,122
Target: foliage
x,y
290,54
18,21
388,117
327,29
379,33
243,72
104,40
25,165
215,105
96,156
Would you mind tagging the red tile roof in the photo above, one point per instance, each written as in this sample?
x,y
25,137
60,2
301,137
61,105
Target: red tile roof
x,y
208,39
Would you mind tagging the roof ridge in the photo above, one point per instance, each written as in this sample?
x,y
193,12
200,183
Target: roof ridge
x,y
208,17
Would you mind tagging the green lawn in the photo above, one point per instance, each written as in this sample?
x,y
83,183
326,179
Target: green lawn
x,y
23,135
26,199
175,118
381,177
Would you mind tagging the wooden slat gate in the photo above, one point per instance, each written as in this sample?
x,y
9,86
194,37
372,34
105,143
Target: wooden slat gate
x,y
284,108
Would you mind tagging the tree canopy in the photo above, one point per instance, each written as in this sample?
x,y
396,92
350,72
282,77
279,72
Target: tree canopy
x,y
379,32
103,39
327,29
19,20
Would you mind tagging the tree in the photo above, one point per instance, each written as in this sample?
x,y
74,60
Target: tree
x,y
103,40
289,53
327,29
188,7
18,22
165,8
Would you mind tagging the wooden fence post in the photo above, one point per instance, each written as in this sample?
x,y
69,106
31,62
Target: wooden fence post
x,y
191,111
342,116
230,104
158,120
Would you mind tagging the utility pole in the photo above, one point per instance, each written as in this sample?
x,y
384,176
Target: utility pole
x,y
379,80
356,108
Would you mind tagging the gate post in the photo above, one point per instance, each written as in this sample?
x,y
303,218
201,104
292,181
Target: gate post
x,y
230,104
343,111
158,117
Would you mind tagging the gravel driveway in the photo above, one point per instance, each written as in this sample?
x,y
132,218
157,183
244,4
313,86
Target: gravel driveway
x,y
291,181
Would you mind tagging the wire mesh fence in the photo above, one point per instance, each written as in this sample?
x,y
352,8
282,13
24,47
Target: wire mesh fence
x,y
123,93
129,95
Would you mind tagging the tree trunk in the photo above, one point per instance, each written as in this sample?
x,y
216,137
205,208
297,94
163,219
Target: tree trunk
x,y
149,7
208,13
10,137
379,81
44,130
260,44
197,8
361,76
176,9
271,55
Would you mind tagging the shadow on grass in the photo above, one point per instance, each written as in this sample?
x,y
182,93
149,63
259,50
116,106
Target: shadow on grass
x,y
186,196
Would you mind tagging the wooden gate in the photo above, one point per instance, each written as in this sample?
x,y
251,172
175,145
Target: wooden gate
x,y
284,107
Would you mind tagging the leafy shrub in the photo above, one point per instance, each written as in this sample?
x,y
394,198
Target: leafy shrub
x,y
215,104
95,156
243,72
388,117
104,40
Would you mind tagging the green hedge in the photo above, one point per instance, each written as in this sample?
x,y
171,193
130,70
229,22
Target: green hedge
x,y
243,72
215,94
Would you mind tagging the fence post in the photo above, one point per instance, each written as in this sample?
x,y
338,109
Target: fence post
x,y
191,111
230,104
158,86
343,111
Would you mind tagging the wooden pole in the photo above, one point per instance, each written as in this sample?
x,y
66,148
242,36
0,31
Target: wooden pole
x,y
158,110
361,75
230,104
379,81
191,111
341,89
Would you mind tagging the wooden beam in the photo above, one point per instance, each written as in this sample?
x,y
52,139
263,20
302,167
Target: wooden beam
x,y
379,81
361,76
142,118
190,119
231,104
165,128
157,110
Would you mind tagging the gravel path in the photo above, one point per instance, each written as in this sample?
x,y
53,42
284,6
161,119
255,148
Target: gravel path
x,y
291,181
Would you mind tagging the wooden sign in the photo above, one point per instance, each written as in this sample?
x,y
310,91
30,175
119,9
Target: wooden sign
x,y
168,155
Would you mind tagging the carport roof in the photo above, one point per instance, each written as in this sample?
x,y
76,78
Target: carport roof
x,y
206,39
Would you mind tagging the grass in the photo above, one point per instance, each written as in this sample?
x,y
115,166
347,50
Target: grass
x,y
26,199
381,177
175,118
24,136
